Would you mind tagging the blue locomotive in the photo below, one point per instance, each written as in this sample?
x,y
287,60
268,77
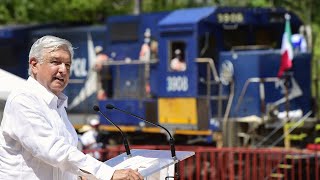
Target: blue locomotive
x,y
200,72
226,74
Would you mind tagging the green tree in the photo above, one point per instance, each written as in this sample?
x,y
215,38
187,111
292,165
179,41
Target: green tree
x,y
4,14
39,11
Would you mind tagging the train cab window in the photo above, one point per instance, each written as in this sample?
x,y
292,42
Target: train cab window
x,y
207,46
8,56
235,37
177,56
266,37
119,31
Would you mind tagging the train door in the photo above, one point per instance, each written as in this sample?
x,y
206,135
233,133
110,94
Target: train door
x,y
179,105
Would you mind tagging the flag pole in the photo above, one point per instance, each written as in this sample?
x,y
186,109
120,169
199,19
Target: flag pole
x,y
286,76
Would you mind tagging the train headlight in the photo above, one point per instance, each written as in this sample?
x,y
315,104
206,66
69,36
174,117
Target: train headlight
x,y
226,73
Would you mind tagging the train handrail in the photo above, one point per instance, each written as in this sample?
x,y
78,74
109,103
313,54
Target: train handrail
x,y
225,117
300,121
279,127
254,80
251,47
128,62
212,66
217,80
262,95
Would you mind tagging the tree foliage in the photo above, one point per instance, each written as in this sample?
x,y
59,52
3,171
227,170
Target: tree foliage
x,y
39,11
95,11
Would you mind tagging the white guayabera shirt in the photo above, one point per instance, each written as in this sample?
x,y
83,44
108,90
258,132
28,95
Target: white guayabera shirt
x,y
37,141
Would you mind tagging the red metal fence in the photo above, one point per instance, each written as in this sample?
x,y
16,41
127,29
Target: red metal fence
x,y
238,163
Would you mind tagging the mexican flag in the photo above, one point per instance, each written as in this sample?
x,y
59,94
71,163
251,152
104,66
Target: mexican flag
x,y
286,48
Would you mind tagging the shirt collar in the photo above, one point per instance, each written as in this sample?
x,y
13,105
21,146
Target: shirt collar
x,y
48,96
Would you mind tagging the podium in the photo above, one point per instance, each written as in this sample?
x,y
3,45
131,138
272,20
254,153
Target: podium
x,y
151,164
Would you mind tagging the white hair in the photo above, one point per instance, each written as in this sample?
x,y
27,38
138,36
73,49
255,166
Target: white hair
x,y
48,42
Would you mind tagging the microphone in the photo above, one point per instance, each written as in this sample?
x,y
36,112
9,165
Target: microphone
x,y
171,140
124,137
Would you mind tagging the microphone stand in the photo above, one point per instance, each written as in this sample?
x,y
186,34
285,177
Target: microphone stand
x,y
171,140
124,137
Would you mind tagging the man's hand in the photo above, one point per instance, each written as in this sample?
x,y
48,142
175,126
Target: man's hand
x,y
126,174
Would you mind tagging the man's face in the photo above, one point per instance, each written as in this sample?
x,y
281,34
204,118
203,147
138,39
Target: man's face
x,y
54,72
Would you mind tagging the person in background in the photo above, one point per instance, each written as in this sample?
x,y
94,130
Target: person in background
x,y
104,75
37,141
90,138
177,63
145,56
299,43
154,49
101,58
145,51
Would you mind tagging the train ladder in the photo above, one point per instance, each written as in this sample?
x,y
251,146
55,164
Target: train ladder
x,y
285,133
289,128
280,171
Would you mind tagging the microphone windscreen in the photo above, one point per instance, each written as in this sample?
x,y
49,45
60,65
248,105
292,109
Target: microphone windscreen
x,y
96,108
109,106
